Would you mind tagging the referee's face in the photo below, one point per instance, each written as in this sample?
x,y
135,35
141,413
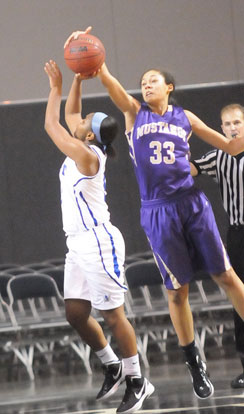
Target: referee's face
x,y
233,123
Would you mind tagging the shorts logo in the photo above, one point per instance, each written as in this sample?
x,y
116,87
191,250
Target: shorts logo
x,y
106,298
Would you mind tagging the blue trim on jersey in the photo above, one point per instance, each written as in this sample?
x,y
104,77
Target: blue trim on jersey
x,y
78,205
100,252
104,186
84,200
64,169
88,208
115,260
81,179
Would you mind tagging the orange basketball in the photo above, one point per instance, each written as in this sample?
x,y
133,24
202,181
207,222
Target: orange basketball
x,y
85,54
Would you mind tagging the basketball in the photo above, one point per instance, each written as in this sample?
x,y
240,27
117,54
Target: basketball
x,y
85,54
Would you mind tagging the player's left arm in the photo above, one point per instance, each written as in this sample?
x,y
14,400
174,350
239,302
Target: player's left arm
x,y
73,106
85,159
213,137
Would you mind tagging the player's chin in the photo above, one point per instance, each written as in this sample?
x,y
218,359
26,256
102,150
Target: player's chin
x,y
149,99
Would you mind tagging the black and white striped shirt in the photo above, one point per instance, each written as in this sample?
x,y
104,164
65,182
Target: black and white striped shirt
x,y
228,171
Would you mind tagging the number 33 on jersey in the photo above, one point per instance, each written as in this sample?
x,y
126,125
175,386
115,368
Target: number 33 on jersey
x,y
159,150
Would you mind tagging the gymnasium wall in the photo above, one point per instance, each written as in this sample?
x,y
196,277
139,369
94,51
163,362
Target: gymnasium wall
x,y
30,218
199,41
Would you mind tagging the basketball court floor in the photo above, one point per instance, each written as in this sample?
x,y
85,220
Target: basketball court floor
x,y
67,389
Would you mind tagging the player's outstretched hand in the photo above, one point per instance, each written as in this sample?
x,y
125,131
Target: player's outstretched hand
x,y
81,76
100,71
55,76
76,34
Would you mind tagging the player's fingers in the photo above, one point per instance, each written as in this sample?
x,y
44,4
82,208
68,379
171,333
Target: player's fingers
x,y
48,70
92,75
80,76
51,69
68,40
73,35
76,34
54,67
47,67
88,29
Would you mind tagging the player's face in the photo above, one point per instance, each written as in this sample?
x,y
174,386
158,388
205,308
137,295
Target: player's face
x,y
233,123
153,87
84,127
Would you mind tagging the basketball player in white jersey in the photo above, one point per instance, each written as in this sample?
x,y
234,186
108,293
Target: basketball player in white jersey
x,y
94,266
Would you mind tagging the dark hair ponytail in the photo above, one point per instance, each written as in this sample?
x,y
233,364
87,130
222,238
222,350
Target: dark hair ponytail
x,y
108,131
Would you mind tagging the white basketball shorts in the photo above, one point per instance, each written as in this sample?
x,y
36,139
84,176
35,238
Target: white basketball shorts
x,y
94,267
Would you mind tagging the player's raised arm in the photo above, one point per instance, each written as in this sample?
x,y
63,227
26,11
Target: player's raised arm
x,y
52,116
125,102
73,148
213,137
73,106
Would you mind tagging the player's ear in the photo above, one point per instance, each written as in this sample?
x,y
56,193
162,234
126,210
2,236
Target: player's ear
x,y
170,87
90,136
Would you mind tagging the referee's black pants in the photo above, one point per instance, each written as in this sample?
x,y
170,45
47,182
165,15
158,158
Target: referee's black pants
x,y
235,249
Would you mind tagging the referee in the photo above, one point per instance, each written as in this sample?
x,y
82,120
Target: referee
x,y
228,171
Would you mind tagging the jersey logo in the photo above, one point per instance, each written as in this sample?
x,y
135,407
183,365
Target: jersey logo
x,y
139,394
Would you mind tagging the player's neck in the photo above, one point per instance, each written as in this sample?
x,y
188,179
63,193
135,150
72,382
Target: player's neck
x,y
160,108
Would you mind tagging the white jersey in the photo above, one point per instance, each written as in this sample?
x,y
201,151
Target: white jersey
x,y
83,197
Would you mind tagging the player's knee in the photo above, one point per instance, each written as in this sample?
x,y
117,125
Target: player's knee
x,y
76,314
225,279
73,319
178,297
113,317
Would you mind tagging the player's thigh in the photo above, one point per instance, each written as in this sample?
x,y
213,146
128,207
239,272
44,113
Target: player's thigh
x,y
105,276
165,233
75,282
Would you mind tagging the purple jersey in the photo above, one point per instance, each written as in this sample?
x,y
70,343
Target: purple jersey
x,y
159,150
177,218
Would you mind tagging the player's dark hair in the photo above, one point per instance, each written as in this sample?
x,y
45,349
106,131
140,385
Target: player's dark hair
x,y
169,79
108,131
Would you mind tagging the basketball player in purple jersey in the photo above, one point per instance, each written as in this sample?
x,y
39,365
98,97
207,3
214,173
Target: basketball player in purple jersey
x,y
176,217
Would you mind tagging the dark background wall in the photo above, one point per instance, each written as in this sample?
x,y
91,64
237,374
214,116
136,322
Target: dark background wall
x,y
30,218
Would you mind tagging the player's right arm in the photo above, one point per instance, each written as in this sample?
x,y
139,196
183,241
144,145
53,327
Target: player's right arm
x,y
125,102
85,159
73,106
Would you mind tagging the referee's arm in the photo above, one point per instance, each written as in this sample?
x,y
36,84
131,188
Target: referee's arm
x,y
195,170
207,165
